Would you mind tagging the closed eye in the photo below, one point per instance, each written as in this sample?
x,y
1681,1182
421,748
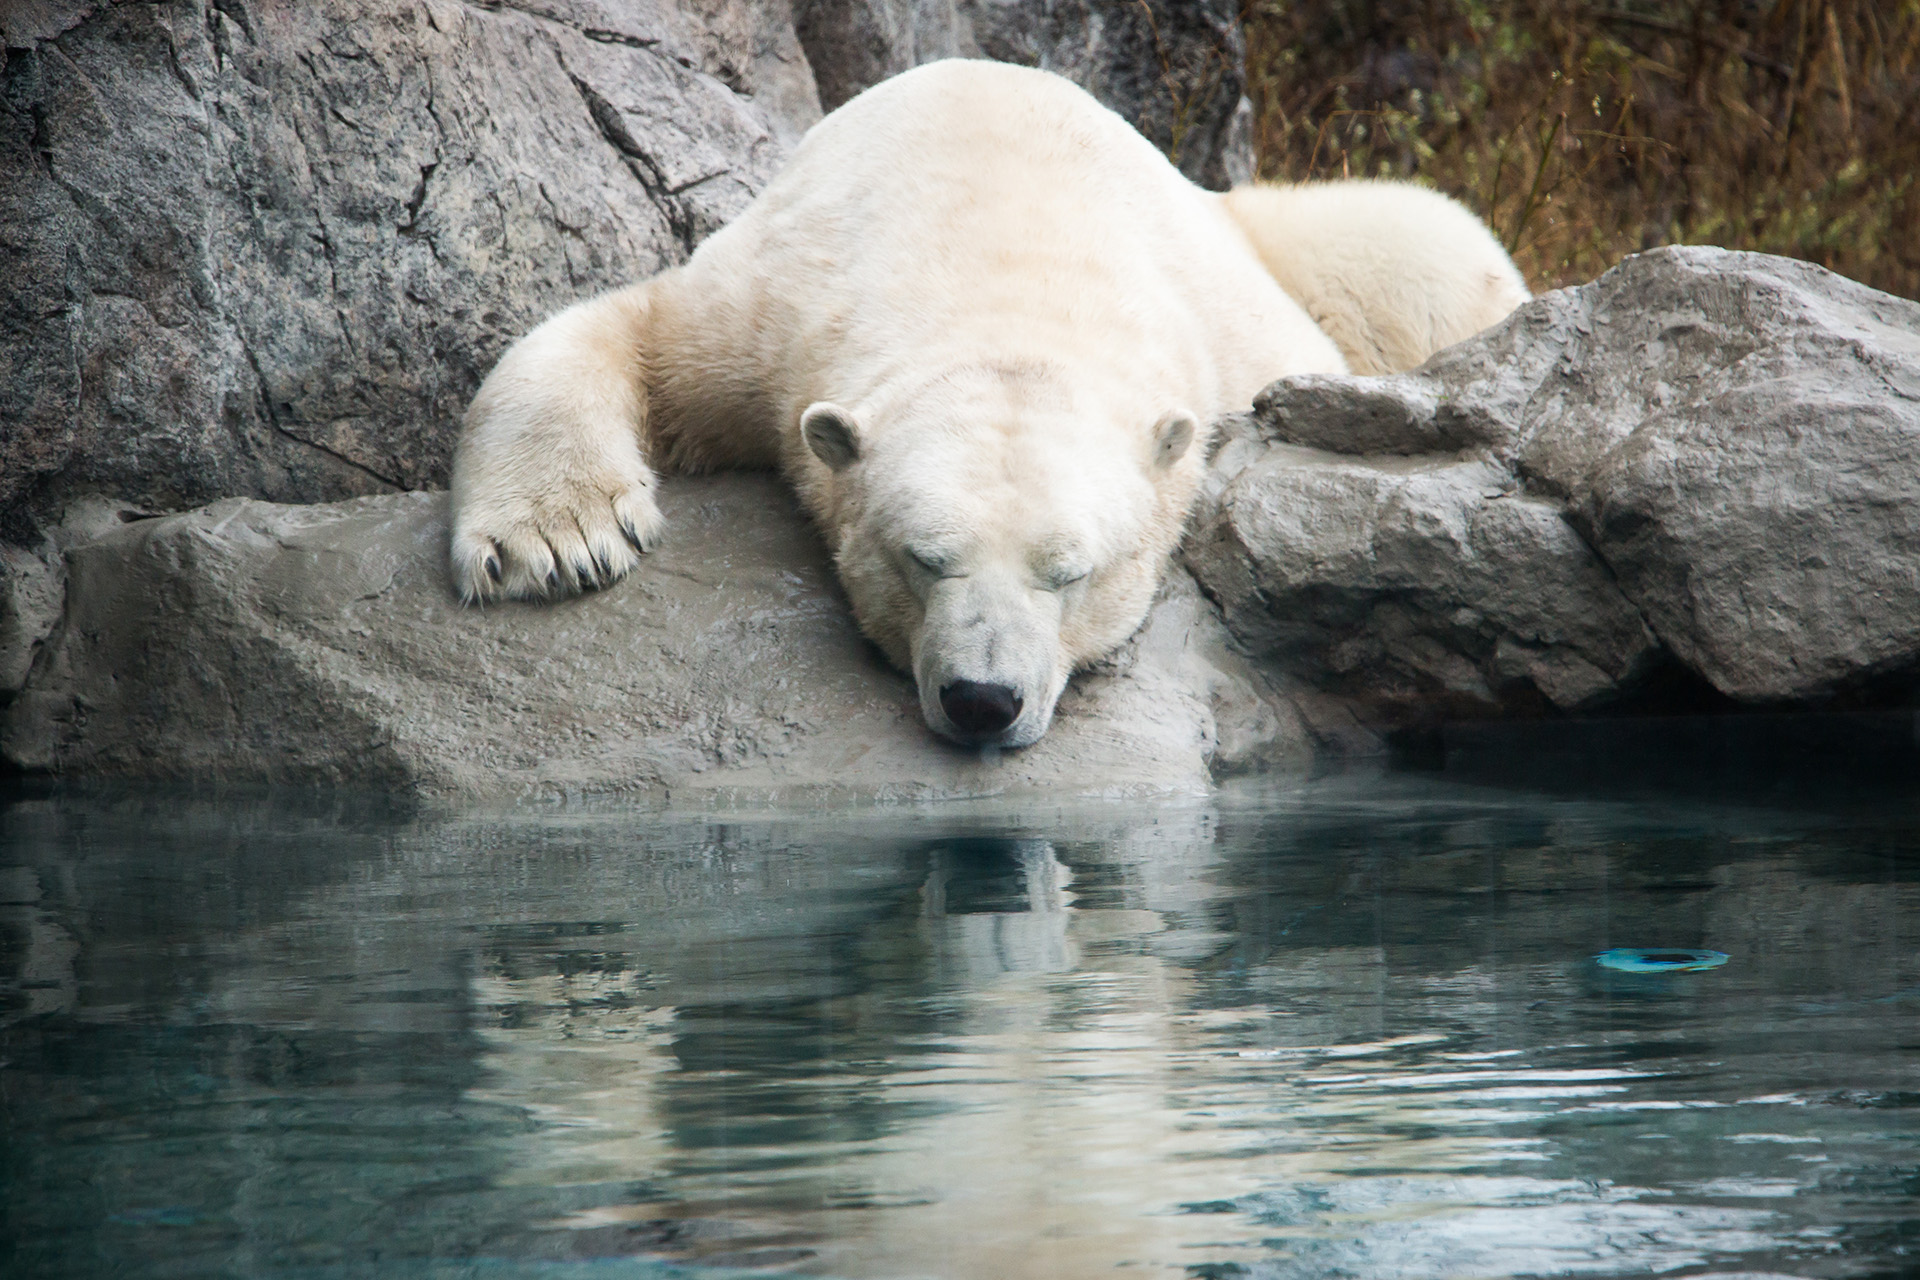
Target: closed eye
x,y
931,562
1061,579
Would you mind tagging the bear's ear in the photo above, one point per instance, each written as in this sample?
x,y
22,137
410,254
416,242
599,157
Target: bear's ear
x,y
1172,435
832,433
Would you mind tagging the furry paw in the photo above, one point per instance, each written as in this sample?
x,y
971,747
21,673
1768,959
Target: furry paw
x,y
532,528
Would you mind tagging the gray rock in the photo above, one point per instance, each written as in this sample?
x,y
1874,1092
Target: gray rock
x,y
1763,507
33,583
1706,455
271,250
1175,69
254,642
32,589
1430,586
1391,414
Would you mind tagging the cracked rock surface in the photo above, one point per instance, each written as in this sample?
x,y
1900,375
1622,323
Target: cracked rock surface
x,y
271,249
1704,458
255,642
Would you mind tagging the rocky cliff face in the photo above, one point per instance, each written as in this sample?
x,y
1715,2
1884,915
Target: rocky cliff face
x,y
271,249
1175,68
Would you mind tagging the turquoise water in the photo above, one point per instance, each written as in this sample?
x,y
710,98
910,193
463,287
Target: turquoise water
x,y
1345,1028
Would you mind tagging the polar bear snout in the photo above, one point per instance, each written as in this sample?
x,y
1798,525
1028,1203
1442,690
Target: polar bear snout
x,y
980,711
986,658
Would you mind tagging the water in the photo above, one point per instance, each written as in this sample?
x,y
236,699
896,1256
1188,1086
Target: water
x,y
1346,1028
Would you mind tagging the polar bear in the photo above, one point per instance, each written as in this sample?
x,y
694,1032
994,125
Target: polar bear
x,y
981,325
1386,308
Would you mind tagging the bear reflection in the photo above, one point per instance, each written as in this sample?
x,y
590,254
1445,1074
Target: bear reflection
x,y
996,906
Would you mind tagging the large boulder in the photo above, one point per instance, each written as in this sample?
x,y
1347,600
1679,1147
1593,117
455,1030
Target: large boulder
x,y
1705,460
255,642
270,249
1433,585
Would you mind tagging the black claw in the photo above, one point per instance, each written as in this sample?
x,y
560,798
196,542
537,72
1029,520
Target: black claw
x,y
493,568
633,536
553,581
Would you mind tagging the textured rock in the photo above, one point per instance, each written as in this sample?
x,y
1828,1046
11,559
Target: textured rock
x,y
1432,584
1176,69
1763,507
1709,455
32,589
249,641
33,584
250,247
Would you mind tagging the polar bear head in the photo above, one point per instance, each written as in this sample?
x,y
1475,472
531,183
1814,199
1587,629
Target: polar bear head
x,y
994,535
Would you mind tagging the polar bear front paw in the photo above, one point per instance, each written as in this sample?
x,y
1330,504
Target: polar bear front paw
x,y
550,492
536,541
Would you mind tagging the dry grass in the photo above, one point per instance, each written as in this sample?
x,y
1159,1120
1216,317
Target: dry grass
x,y
1587,132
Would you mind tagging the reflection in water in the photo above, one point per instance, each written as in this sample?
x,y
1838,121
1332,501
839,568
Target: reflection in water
x,y
1354,1028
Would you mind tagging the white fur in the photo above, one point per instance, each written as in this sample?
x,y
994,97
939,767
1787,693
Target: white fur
x,y
1392,272
1006,320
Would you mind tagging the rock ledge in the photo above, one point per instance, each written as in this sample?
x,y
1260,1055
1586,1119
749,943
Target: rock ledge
x,y
251,642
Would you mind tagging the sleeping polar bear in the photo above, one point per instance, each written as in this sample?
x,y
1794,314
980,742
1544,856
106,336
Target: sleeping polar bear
x,y
983,327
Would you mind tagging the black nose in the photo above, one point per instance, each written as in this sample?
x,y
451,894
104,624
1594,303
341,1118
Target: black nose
x,y
979,710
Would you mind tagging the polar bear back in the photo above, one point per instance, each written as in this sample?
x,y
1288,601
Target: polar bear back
x,y
972,210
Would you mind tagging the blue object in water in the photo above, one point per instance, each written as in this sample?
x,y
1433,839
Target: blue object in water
x,y
1661,959
172,1216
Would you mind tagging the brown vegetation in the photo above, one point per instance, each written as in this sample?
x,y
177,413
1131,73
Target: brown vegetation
x,y
1585,132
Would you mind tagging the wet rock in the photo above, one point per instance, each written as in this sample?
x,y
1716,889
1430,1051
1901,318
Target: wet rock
x,y
250,641
1706,456
1175,69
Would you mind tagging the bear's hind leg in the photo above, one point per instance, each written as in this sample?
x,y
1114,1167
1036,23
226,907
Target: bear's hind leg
x,y
1392,272
551,490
